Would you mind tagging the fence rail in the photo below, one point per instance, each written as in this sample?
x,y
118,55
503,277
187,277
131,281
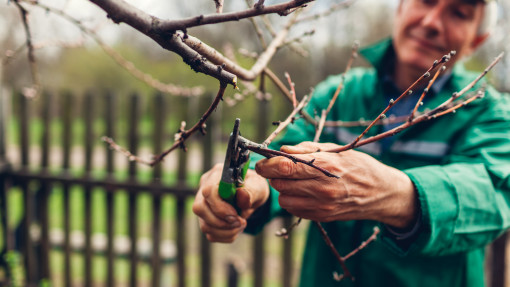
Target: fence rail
x,y
38,178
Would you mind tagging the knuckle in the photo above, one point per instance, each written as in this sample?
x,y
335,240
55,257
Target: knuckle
x,y
197,208
286,167
278,184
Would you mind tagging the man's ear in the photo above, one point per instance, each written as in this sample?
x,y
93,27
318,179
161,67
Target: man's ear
x,y
479,40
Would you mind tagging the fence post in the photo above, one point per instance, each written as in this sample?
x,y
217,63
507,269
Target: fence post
x,y
4,168
134,114
207,161
44,191
159,119
258,250
110,115
498,272
87,190
66,110
27,196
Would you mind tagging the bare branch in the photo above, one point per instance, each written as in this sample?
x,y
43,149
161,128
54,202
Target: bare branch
x,y
408,91
287,121
364,244
218,59
292,90
347,273
287,94
127,153
33,91
219,6
327,12
181,136
269,153
121,11
200,125
320,127
425,91
120,60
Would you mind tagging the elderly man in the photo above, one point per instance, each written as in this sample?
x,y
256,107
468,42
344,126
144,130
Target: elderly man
x,y
440,190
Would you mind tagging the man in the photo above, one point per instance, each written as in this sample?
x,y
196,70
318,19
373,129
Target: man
x,y
439,190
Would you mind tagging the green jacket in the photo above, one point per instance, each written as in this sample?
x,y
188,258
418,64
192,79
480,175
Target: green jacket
x,y
459,163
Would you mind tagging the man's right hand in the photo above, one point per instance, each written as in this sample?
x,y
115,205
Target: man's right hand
x,y
218,219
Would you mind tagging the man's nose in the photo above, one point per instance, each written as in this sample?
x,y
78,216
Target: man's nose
x,y
433,21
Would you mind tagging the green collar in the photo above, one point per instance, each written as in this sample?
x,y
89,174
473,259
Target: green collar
x,y
375,53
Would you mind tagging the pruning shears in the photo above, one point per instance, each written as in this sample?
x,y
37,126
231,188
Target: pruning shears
x,y
236,165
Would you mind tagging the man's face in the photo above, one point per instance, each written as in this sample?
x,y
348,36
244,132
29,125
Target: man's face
x,y
425,30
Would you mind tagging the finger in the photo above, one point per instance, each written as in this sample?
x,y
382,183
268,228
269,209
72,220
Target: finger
x,y
307,147
281,167
221,235
253,193
202,209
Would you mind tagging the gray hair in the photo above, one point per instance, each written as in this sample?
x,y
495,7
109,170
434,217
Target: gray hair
x,y
490,18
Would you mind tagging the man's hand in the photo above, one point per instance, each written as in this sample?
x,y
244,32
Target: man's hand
x,y
367,188
218,219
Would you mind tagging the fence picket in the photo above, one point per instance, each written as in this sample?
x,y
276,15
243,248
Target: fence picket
x,y
66,110
207,160
133,195
87,190
110,116
159,119
27,196
180,207
45,188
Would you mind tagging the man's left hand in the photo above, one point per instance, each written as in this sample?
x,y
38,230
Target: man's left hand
x,y
366,189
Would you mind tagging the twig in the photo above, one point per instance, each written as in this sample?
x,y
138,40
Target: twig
x,y
324,114
285,232
120,60
347,273
471,85
29,92
281,9
279,84
269,153
219,6
287,121
408,91
425,91
327,12
127,153
364,123
320,127
363,244
292,90
200,125
180,137
217,58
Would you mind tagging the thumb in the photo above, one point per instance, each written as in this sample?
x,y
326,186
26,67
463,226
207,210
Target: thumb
x,y
244,198
304,147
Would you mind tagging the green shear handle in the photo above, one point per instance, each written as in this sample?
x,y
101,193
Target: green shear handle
x,y
235,167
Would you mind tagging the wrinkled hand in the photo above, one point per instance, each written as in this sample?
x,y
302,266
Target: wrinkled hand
x,y
218,219
367,188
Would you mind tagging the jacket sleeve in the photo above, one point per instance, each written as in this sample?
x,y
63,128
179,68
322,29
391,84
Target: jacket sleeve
x,y
465,202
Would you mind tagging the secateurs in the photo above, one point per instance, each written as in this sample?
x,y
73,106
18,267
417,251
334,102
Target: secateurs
x,y
236,165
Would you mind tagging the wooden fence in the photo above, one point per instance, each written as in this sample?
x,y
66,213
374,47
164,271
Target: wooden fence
x,y
39,177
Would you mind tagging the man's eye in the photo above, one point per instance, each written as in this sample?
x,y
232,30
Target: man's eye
x,y
461,14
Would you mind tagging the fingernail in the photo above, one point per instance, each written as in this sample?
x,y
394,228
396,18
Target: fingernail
x,y
231,219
